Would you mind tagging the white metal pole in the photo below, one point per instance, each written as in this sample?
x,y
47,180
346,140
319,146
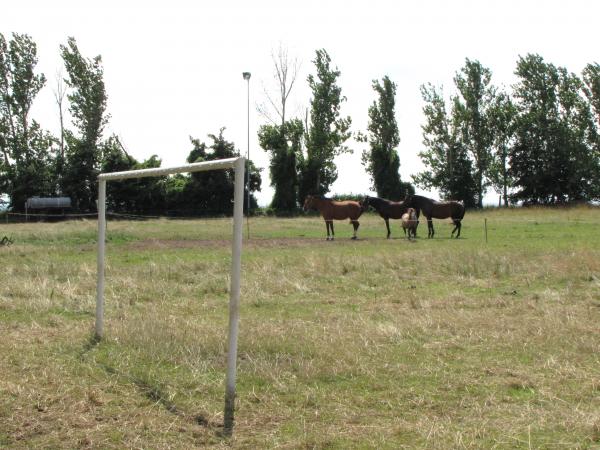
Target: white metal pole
x,y
234,295
101,245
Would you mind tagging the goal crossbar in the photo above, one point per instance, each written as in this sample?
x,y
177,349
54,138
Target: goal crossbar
x,y
160,171
238,164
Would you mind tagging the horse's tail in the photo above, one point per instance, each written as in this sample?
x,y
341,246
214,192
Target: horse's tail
x,y
459,213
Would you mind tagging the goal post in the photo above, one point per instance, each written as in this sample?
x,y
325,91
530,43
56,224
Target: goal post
x,y
238,164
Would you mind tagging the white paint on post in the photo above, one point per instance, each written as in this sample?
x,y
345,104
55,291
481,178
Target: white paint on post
x,y
101,247
234,295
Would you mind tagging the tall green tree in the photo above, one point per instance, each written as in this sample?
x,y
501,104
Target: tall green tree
x,y
591,78
211,192
26,159
473,107
284,143
327,130
502,123
447,164
137,195
88,100
381,160
552,159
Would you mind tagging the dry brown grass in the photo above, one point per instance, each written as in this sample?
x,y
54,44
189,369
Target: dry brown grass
x,y
369,344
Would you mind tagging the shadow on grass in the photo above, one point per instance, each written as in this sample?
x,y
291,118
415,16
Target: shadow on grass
x,y
153,392
91,342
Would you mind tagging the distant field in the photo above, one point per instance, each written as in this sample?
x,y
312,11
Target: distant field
x,y
372,343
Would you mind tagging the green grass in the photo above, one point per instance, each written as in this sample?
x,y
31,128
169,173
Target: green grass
x,y
348,344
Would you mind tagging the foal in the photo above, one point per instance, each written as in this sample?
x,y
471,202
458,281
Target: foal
x,y
333,210
410,222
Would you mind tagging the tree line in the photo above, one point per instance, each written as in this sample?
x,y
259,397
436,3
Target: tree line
x,y
33,162
537,143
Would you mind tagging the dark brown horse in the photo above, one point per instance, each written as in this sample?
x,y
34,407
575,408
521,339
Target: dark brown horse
x,y
437,210
386,209
333,210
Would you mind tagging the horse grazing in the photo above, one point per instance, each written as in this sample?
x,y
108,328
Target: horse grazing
x,y
437,210
410,222
333,210
386,209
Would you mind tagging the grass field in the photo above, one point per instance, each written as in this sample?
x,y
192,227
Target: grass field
x,y
372,343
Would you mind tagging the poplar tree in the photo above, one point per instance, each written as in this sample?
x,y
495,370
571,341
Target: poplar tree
x,y
327,130
381,161
26,153
502,124
87,97
473,108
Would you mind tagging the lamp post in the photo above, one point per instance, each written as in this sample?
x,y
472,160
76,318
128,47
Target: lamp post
x,y
246,76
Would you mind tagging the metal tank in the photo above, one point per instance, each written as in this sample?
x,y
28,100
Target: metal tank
x,y
48,202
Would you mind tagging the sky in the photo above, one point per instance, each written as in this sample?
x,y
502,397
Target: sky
x,y
173,69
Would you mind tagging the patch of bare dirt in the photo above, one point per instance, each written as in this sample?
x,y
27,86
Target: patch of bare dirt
x,y
151,244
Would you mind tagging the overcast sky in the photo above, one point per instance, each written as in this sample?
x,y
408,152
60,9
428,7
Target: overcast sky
x,y
173,69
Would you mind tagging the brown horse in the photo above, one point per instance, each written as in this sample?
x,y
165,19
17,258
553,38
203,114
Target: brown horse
x,y
437,210
410,222
386,209
333,210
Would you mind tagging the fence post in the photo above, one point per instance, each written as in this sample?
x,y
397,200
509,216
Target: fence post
x,y
485,227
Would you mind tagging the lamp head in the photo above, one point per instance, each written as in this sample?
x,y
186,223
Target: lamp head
x,y
246,75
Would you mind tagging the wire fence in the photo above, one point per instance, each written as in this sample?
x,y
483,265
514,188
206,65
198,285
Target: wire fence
x,y
486,221
10,217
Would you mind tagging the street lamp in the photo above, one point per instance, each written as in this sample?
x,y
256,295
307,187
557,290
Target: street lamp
x,y
246,76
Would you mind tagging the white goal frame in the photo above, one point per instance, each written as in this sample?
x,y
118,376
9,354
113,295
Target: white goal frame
x,y
238,165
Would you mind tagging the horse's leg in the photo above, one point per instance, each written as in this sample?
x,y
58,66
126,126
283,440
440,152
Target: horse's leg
x,y
332,233
459,225
454,229
387,224
430,231
327,226
355,224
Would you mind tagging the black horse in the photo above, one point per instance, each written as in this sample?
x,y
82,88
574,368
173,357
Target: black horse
x,y
386,209
437,210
